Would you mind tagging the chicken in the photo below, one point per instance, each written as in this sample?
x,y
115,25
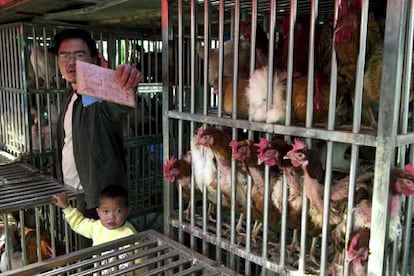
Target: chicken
x,y
228,61
320,98
271,153
31,249
41,138
257,97
205,173
218,142
262,45
242,101
300,48
31,246
245,152
358,251
346,43
43,64
313,182
179,171
372,87
401,183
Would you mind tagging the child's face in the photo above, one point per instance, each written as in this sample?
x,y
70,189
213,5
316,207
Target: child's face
x,y
112,212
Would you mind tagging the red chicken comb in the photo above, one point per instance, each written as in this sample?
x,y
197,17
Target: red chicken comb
x,y
262,144
234,144
409,168
200,132
169,164
261,147
354,252
298,145
246,29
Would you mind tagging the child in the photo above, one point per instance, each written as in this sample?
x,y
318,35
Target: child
x,y
113,211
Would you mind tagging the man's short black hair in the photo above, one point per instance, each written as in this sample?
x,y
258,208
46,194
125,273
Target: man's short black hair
x,y
74,33
115,191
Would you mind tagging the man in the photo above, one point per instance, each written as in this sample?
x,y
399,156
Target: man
x,y
90,143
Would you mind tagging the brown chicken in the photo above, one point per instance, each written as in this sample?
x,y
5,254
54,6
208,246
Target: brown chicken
x,y
262,45
245,152
358,251
347,41
179,171
271,153
320,98
300,49
218,142
372,87
242,101
313,182
401,183
228,61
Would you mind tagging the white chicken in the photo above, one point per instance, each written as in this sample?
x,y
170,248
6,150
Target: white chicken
x,y
257,97
38,59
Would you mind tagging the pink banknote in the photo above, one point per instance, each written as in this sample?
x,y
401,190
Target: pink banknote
x,y
99,82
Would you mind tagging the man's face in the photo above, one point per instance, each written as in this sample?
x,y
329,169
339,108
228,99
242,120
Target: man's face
x,y
112,212
71,50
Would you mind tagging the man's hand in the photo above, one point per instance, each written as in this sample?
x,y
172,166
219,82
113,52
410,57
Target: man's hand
x,y
61,200
127,76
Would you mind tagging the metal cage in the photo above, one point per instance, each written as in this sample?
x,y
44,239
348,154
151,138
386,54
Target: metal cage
x,y
31,90
349,146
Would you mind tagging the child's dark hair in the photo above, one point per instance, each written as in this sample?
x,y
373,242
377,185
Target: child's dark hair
x,y
74,33
115,191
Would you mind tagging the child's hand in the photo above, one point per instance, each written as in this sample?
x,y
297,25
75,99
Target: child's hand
x,y
61,200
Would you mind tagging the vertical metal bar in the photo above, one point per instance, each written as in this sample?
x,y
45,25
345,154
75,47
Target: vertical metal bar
x,y
23,235
289,84
167,195
311,61
193,81
180,98
405,111
387,130
206,91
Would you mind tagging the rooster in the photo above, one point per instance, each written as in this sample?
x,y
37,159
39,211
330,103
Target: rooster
x,y
179,171
42,63
218,142
245,152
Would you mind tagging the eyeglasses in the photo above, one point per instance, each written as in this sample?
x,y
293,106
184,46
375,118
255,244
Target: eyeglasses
x,y
79,55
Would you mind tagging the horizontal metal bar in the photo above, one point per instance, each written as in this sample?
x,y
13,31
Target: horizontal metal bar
x,y
333,135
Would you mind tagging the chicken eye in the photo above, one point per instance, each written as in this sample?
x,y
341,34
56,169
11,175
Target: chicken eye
x,y
301,155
